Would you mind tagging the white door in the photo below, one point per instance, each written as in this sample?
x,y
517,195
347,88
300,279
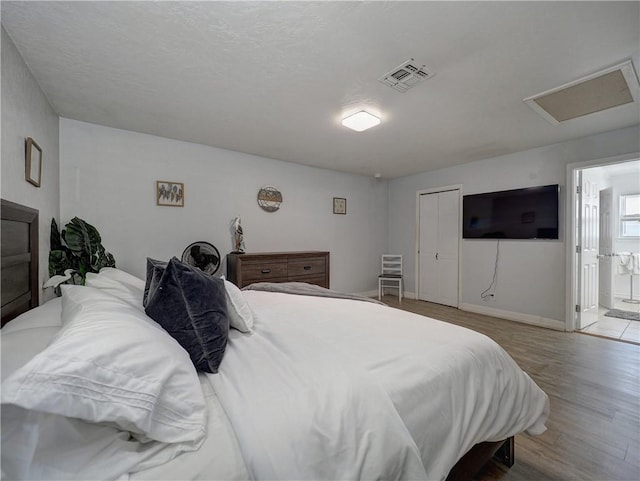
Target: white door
x,y
438,247
589,201
448,238
606,249
428,248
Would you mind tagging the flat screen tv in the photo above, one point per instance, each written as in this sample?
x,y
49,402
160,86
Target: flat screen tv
x,y
530,213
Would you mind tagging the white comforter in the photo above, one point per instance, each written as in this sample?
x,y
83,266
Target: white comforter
x,y
301,410
323,389
330,388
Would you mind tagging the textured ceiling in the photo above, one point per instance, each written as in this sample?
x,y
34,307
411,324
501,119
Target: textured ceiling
x,y
275,78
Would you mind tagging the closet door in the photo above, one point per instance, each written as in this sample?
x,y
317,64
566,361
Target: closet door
x,y
428,290
439,218
448,238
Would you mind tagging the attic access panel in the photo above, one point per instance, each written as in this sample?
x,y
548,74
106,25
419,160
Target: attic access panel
x,y
603,90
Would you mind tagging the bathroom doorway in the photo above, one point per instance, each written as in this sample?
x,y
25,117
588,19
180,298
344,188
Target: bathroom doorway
x,y
607,263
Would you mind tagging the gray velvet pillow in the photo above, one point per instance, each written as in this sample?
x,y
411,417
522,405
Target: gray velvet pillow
x,y
192,307
155,269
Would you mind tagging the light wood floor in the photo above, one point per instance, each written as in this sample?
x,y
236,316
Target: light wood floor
x,y
594,387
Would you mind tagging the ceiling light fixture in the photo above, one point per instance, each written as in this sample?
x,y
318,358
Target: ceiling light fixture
x,y
361,121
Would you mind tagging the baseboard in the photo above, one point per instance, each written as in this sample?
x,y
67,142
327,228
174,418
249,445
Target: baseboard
x,y
514,316
368,294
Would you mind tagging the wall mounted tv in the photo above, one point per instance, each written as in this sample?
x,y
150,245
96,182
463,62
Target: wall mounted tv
x,y
530,213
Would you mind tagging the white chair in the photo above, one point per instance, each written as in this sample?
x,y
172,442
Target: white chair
x,y
391,274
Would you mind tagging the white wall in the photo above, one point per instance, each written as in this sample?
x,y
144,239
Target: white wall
x,y
27,113
108,178
531,273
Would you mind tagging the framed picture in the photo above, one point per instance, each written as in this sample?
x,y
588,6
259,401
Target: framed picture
x,y
339,205
33,162
169,194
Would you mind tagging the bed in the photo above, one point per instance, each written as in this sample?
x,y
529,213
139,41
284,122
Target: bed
x,y
308,387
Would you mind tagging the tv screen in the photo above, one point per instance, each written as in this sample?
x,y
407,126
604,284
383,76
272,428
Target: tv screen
x,y
530,213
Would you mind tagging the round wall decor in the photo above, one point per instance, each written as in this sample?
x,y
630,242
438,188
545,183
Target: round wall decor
x,y
269,198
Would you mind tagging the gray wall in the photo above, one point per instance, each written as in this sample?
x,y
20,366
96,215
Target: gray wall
x,y
27,113
108,178
531,273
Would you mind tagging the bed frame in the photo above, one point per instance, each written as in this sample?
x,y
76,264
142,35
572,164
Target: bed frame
x,y
478,456
19,253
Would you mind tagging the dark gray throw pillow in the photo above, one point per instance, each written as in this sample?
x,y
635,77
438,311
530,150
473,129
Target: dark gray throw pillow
x,y
192,307
155,269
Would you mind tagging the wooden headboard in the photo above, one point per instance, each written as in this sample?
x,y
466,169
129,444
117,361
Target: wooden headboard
x,y
19,254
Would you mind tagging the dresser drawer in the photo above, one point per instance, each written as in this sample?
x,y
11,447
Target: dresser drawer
x,y
263,271
300,266
310,267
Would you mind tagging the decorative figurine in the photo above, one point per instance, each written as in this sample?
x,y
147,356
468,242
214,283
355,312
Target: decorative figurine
x,y
238,237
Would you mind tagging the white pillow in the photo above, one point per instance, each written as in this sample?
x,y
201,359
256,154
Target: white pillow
x,y
119,284
17,348
27,335
111,363
45,315
122,276
241,316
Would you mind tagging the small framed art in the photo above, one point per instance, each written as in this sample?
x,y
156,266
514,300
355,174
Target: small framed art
x,y
339,205
33,162
169,194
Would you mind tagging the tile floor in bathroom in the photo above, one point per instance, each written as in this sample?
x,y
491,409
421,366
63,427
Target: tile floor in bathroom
x,y
614,327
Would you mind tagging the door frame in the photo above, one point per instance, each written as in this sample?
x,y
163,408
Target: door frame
x,y
435,190
571,261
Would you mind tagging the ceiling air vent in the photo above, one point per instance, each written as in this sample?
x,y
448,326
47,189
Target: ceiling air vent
x,y
603,90
406,75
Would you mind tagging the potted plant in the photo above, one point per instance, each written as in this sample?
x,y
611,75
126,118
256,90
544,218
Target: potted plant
x,y
76,250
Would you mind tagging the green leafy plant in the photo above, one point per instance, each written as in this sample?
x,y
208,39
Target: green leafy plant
x,y
77,248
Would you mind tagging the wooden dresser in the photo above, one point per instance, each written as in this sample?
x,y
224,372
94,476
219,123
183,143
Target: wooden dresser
x,y
311,267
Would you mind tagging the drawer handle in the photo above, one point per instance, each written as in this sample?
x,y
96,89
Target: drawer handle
x,y
266,271
307,268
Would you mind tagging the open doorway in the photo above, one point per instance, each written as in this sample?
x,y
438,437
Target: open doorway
x,y
607,256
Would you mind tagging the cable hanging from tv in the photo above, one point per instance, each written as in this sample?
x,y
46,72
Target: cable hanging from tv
x,y
488,293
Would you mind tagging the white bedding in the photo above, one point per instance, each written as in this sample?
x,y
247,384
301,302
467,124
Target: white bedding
x,y
332,388
46,446
300,412
451,387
